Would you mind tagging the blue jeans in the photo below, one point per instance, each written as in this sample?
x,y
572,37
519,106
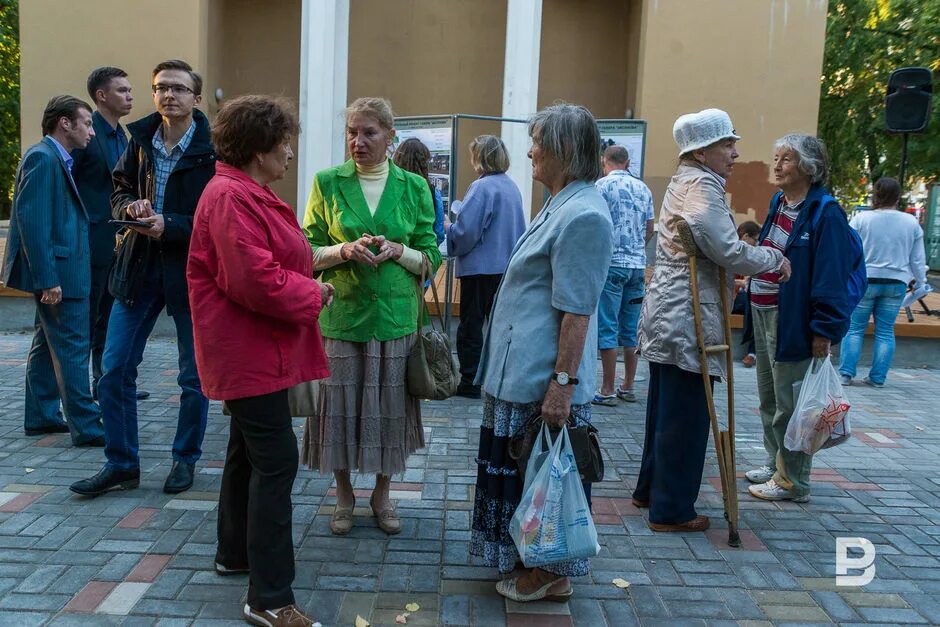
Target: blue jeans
x,y
618,310
128,330
884,299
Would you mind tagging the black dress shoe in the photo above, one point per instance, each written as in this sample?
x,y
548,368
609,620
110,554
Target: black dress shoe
x,y
226,571
62,428
108,479
141,395
180,478
93,443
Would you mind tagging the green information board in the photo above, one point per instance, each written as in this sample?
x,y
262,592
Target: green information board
x,y
932,232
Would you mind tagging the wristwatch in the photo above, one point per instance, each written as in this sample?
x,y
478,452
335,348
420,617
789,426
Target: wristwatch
x,y
563,378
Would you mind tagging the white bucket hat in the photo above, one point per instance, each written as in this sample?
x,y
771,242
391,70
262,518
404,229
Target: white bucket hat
x,y
697,130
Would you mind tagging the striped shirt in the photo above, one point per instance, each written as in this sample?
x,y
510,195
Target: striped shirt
x,y
163,162
765,288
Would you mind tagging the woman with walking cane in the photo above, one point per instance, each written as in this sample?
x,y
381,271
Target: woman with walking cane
x,y
677,411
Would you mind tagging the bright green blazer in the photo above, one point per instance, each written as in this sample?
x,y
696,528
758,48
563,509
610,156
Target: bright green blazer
x,y
380,303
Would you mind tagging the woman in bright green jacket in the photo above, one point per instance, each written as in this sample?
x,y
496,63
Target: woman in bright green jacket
x,y
371,227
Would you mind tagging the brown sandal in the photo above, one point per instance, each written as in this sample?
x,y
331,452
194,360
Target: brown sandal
x,y
388,520
341,522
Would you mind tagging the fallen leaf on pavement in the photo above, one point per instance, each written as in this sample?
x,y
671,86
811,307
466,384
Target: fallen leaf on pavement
x,y
401,619
621,583
412,607
361,622
29,470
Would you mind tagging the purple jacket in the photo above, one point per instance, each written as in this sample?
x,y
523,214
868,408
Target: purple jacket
x,y
488,226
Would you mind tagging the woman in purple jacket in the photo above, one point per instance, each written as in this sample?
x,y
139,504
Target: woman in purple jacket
x,y
488,226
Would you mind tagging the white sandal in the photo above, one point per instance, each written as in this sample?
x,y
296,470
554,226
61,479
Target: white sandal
x,y
507,588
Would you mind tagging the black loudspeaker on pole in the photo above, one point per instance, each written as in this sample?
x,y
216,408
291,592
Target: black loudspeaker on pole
x,y
907,106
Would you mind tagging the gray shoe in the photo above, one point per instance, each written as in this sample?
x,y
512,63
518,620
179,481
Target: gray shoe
x,y
626,395
868,381
760,475
845,380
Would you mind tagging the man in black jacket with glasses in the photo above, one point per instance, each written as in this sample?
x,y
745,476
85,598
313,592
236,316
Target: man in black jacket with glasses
x,y
158,182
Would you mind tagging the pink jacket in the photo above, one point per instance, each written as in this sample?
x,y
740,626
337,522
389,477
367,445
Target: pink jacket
x,y
254,302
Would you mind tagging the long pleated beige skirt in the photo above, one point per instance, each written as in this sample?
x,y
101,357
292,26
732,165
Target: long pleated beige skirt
x,y
367,421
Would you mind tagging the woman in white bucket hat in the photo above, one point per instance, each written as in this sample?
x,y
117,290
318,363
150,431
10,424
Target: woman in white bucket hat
x,y
677,419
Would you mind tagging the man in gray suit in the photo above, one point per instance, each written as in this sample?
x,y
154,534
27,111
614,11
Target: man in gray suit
x,y
48,254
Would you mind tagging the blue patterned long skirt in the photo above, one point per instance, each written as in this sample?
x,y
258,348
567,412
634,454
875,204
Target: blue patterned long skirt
x,y
499,486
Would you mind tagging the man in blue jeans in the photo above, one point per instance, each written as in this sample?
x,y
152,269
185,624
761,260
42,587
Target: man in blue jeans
x,y
157,183
618,311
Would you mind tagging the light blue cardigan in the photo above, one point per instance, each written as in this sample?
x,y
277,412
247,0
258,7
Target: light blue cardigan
x,y
489,224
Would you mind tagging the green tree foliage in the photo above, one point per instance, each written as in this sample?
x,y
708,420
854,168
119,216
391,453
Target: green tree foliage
x,y
865,41
9,100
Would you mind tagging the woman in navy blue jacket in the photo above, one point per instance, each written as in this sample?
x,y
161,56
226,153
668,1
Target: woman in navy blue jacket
x,y
796,321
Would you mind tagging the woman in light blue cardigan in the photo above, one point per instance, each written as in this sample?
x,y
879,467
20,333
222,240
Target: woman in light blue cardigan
x,y
488,226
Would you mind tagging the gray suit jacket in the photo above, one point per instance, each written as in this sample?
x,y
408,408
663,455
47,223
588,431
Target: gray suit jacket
x,y
48,240
558,266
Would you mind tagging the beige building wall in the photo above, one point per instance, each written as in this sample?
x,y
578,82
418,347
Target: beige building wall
x,y
61,42
256,50
430,57
587,56
760,60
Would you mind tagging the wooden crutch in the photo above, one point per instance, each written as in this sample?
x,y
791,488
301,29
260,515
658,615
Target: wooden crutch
x,y
724,440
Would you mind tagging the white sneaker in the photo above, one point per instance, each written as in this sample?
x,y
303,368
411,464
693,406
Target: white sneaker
x,y
760,475
845,380
770,491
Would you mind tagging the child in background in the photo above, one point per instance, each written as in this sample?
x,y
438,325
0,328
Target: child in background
x,y
748,232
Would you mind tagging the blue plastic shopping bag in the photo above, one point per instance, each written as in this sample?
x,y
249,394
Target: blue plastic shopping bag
x,y
553,520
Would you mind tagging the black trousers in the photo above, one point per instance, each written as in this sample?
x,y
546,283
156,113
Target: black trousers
x,y
476,299
677,424
100,301
255,509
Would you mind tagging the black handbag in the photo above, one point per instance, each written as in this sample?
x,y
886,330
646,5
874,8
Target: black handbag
x,y
585,443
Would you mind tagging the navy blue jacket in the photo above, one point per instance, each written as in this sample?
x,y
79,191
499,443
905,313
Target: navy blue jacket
x,y
133,180
48,241
92,174
815,301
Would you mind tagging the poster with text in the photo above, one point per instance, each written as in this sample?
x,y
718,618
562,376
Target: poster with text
x,y
631,134
436,134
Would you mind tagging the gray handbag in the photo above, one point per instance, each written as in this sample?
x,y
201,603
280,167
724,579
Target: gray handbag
x,y
432,372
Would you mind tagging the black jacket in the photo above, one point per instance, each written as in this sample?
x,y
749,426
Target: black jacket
x,y
133,180
92,175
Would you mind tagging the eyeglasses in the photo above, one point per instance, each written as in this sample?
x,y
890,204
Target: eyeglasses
x,y
176,90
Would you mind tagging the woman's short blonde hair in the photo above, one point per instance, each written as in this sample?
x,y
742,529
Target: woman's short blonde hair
x,y
489,152
379,109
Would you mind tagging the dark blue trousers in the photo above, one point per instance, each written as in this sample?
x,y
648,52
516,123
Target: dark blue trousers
x,y
677,425
57,371
128,330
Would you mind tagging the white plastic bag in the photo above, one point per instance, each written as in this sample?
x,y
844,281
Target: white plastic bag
x,y
553,520
821,416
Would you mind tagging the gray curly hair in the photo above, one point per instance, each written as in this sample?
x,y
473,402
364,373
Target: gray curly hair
x,y
811,153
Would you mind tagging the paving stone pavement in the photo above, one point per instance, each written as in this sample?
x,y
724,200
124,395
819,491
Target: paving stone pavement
x,y
145,558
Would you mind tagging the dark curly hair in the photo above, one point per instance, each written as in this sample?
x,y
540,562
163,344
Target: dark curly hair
x,y
248,125
413,156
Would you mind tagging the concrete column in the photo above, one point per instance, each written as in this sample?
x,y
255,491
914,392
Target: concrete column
x,y
324,68
521,88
